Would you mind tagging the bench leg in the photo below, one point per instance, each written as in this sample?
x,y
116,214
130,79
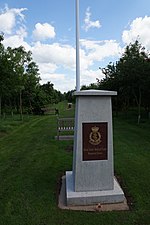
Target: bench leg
x,y
58,135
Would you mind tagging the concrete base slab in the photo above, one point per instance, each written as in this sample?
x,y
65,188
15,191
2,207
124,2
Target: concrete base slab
x,y
93,207
92,197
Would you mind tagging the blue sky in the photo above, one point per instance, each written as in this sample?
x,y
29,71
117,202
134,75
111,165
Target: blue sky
x,y
47,28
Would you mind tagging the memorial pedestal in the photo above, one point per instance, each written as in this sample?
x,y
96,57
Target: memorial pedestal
x,y
92,179
83,198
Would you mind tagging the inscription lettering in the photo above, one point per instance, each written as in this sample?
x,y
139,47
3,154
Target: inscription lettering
x,y
94,141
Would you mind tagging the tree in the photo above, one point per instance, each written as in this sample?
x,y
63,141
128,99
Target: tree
x,y
90,86
31,84
133,67
19,82
5,74
18,77
24,73
70,97
130,76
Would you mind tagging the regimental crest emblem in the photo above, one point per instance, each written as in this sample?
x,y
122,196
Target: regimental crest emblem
x,y
95,136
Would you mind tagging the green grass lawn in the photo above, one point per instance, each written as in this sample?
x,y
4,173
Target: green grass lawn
x,y
32,162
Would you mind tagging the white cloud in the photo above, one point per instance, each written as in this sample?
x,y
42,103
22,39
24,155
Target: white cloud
x,y
89,76
52,76
47,67
59,80
56,61
43,32
12,25
8,19
55,57
15,41
61,55
139,30
52,58
99,50
88,23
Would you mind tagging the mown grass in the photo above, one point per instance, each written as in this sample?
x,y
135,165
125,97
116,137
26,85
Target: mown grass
x,y
32,162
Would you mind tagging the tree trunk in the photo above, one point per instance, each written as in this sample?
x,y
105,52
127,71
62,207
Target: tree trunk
x,y
0,106
138,101
139,107
21,115
30,105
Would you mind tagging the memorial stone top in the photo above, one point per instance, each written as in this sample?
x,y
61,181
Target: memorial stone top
x,y
93,92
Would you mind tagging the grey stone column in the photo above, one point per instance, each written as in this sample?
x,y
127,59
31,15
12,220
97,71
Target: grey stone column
x,y
92,179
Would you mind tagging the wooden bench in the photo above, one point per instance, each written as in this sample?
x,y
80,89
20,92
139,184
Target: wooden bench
x,y
50,111
65,125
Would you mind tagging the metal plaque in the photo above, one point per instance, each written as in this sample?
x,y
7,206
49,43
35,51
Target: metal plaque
x,y
95,141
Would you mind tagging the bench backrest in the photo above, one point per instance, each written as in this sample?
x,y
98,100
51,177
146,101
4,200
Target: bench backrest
x,y
65,124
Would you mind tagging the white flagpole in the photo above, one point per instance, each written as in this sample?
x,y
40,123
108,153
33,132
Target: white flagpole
x,y
77,48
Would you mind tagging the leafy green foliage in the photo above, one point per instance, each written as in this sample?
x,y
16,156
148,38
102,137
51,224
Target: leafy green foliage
x,y
130,77
20,89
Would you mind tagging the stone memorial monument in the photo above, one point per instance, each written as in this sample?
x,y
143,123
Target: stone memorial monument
x,y
92,180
